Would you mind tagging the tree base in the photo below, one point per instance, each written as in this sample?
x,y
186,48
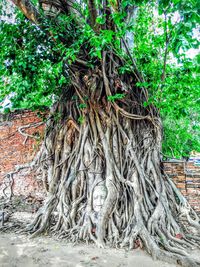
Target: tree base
x,y
141,205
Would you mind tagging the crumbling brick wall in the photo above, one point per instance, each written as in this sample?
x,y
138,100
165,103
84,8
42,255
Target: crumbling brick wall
x,y
17,149
186,176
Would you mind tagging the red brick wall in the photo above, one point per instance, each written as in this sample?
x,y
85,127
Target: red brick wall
x,y
16,149
186,176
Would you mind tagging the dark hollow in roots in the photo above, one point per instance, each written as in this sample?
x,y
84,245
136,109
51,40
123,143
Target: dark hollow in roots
x,y
115,146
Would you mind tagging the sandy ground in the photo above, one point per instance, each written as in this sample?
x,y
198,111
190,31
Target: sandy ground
x,y
21,251
17,250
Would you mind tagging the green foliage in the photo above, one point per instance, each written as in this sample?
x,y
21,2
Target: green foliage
x,y
81,119
32,66
115,97
82,105
57,116
177,95
25,70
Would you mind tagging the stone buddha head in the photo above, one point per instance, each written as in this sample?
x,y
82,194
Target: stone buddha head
x,y
99,196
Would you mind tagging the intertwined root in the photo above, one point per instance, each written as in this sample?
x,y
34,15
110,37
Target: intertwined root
x,y
142,205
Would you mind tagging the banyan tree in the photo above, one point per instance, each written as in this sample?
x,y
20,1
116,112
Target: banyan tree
x,y
101,155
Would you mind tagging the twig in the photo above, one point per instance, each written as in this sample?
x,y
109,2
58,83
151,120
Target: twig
x,y
35,125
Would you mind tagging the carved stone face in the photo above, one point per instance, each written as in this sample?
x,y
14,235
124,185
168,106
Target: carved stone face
x,y
99,196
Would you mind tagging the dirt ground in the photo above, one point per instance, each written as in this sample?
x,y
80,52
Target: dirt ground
x,y
20,251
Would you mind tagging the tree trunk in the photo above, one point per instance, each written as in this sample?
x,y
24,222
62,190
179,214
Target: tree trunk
x,y
103,174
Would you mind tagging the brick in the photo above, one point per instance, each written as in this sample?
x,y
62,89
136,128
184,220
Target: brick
x,y
193,185
186,176
180,185
14,152
193,192
193,175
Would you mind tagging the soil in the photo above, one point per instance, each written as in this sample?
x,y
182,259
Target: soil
x,y
19,250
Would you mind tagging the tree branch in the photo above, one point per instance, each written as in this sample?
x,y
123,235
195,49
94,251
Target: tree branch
x,y
28,9
167,37
93,12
